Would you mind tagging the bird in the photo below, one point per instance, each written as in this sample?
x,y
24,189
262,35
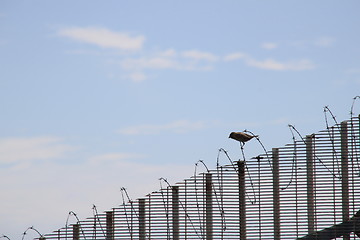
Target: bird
x,y
241,137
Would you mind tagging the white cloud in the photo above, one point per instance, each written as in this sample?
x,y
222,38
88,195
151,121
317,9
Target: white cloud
x,y
191,60
165,60
103,37
180,126
168,53
271,64
137,77
234,56
113,157
199,55
36,148
168,59
149,63
50,190
269,45
324,42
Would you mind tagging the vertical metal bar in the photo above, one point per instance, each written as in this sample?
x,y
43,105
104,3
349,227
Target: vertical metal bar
x,y
295,162
142,232
242,202
76,232
221,192
208,206
175,212
185,207
110,225
344,174
131,228
149,217
259,196
276,192
310,183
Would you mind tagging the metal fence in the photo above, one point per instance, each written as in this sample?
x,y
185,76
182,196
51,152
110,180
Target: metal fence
x,y
285,193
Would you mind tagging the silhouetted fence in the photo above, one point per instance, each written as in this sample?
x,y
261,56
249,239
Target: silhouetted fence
x,y
286,193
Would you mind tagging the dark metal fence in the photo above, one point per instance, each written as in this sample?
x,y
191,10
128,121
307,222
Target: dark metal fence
x,y
286,193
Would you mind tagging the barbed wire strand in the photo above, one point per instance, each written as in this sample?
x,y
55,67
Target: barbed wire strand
x,y
220,205
96,217
250,179
197,202
263,147
78,222
331,135
30,228
293,161
129,224
166,206
353,135
317,158
186,214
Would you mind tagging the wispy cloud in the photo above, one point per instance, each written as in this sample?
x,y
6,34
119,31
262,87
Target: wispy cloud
x,y
324,42
150,63
114,157
170,59
200,55
136,67
100,179
37,148
271,64
234,56
180,126
269,45
168,53
136,76
103,37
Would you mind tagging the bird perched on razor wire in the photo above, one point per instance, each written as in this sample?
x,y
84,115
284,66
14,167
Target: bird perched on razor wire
x,y
241,137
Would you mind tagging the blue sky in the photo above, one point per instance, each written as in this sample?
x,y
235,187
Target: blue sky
x,y
96,96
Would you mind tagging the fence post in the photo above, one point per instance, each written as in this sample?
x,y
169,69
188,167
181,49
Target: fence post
x,y
310,183
242,203
142,232
76,232
344,174
110,225
276,193
208,206
175,212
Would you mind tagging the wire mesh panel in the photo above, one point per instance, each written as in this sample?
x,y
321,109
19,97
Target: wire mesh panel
x,y
308,185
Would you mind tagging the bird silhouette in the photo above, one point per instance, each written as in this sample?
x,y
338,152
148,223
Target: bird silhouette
x,y
241,137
